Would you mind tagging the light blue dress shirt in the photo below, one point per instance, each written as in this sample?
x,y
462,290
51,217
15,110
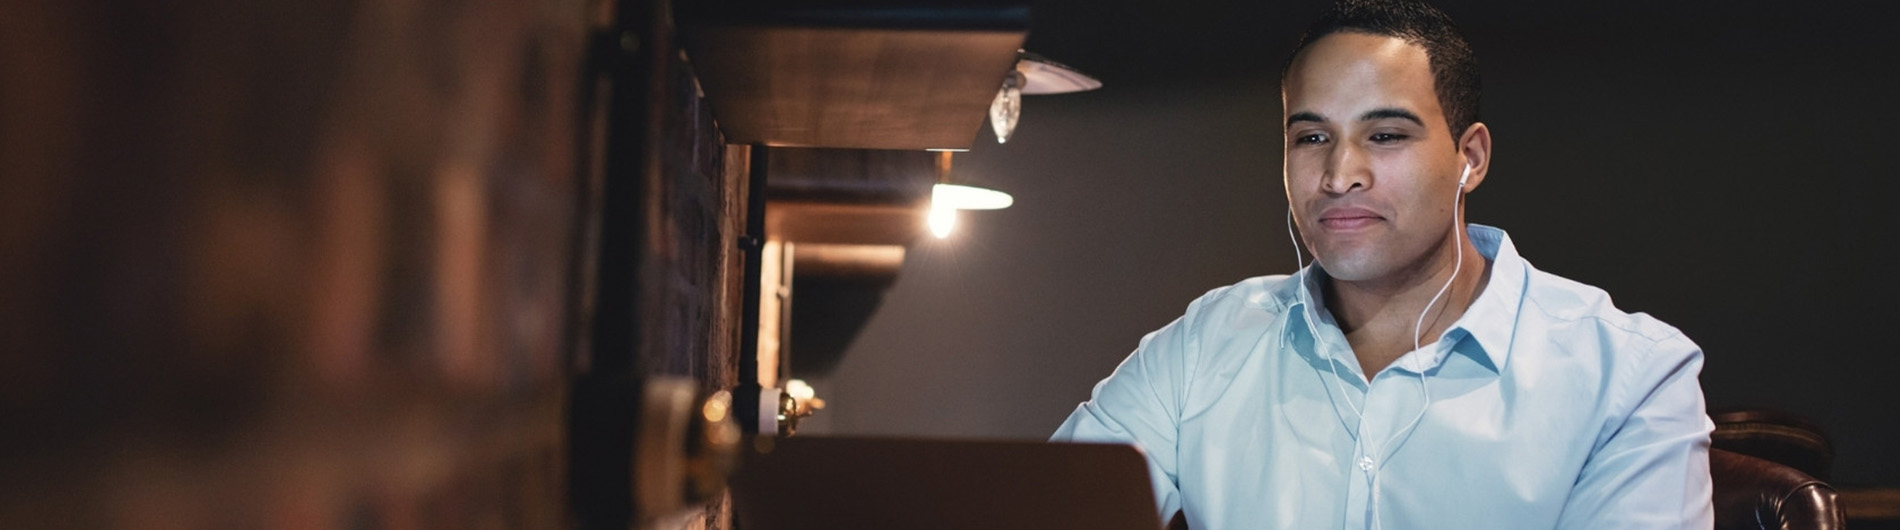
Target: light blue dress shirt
x,y
1543,406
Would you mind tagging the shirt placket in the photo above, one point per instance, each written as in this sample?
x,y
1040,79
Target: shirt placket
x,y
1385,396
1359,472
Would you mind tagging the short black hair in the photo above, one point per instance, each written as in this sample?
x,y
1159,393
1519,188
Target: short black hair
x,y
1454,67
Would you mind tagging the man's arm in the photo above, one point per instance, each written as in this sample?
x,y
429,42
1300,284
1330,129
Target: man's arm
x,y
1141,403
1652,471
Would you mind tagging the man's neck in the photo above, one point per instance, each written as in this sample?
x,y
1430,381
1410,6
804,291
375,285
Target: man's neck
x,y
1378,318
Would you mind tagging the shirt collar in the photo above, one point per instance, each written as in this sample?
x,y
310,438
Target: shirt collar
x,y
1492,318
1490,321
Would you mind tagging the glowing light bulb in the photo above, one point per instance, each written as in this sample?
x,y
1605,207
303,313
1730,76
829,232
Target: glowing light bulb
x,y
969,198
799,389
942,218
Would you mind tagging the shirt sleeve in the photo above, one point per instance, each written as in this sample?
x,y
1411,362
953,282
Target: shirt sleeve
x,y
1140,403
1652,470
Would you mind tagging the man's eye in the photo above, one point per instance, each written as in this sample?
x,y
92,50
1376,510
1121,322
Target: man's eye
x,y
1387,137
1314,138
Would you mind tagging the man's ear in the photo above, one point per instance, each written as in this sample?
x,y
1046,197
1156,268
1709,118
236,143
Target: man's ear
x,y
1475,147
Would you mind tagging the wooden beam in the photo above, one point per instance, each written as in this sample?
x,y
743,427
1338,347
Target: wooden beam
x,y
862,88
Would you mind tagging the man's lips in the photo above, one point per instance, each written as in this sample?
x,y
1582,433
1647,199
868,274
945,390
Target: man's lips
x,y
1348,218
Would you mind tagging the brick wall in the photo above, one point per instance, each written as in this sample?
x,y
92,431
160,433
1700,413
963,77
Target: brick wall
x,y
287,264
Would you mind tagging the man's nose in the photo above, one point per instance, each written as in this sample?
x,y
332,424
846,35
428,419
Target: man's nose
x,y
1345,169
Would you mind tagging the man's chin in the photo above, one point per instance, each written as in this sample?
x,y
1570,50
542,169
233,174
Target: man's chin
x,y
1352,268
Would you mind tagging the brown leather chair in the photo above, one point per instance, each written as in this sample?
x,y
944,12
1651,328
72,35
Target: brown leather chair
x,y
1768,470
1777,436
1756,494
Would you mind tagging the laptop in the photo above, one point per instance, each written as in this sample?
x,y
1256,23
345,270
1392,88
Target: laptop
x,y
818,482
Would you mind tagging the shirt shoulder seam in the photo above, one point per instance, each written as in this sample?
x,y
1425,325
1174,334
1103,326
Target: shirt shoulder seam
x,y
1619,326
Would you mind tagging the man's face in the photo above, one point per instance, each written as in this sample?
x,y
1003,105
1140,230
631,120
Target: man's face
x,y
1371,168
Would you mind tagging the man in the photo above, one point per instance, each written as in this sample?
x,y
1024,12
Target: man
x,y
1419,374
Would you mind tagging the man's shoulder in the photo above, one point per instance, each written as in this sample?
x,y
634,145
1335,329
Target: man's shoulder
x,y
1237,313
1271,294
1561,301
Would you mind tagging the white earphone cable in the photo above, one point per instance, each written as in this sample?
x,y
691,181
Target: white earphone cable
x,y
1373,468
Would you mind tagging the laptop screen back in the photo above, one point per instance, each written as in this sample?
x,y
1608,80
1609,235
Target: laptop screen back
x,y
811,482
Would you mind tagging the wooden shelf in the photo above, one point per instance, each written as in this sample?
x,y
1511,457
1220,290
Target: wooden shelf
x,y
898,75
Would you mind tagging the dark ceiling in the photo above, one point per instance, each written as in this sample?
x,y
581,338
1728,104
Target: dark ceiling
x,y
1126,42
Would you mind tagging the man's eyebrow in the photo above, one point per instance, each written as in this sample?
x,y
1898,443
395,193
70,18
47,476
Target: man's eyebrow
x,y
1304,116
1389,112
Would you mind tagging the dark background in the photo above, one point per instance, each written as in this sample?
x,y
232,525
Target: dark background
x,y
1723,166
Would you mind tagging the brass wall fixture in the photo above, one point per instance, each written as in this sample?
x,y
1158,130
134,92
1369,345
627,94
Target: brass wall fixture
x,y
688,445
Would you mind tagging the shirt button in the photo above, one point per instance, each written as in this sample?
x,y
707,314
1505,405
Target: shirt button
x,y
1365,463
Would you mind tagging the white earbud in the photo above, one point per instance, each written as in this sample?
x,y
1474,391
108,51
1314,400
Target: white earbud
x,y
1464,177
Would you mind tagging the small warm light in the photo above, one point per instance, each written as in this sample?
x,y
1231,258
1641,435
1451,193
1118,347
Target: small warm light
x,y
799,390
942,219
717,407
958,197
